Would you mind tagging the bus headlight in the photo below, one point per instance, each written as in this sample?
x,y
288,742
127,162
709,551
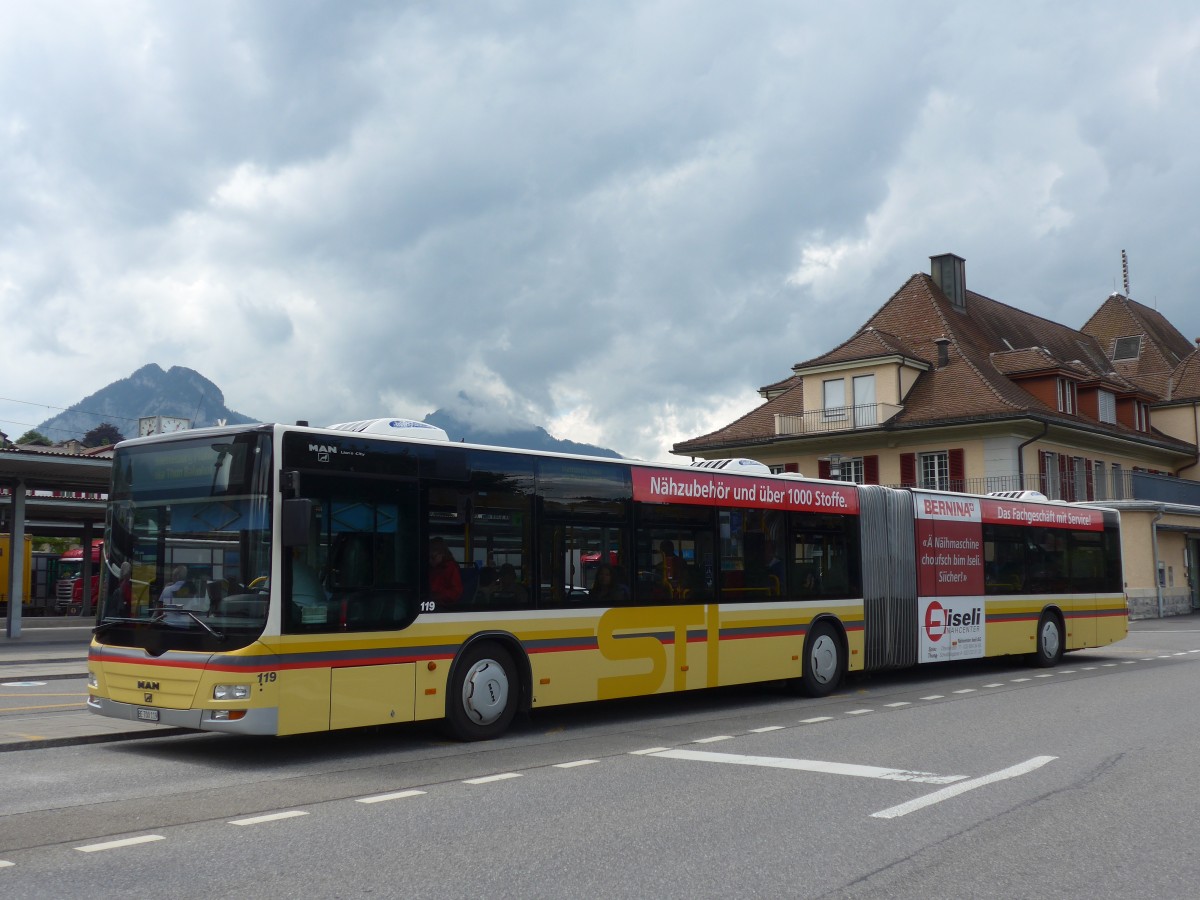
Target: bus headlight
x,y
231,692
93,681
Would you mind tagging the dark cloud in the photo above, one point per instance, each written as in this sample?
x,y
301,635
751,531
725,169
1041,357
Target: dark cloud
x,y
613,220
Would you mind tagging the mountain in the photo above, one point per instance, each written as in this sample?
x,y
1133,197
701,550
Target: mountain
x,y
149,391
528,437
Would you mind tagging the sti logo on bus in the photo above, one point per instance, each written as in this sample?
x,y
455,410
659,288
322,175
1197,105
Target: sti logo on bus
x,y
938,621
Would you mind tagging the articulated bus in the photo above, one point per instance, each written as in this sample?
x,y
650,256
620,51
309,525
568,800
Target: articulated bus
x,y
272,579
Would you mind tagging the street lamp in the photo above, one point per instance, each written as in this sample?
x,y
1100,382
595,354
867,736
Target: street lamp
x,y
835,466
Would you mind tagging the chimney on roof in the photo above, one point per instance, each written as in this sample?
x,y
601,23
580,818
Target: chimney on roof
x,y
943,348
949,272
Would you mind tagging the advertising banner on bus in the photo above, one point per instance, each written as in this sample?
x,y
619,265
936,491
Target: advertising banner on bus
x,y
714,489
951,628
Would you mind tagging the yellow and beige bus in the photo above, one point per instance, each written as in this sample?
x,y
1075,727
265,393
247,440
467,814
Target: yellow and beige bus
x,y
273,579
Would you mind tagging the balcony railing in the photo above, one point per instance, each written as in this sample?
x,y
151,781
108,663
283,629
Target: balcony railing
x,y
839,418
1126,486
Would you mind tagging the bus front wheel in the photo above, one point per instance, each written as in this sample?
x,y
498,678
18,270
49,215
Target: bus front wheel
x,y
482,698
1049,650
824,661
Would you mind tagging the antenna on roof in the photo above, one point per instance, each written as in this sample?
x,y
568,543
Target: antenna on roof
x,y
1125,271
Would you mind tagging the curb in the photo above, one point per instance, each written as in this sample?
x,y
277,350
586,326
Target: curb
x,y
42,743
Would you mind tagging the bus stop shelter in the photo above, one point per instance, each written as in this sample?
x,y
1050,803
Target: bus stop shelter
x,y
48,493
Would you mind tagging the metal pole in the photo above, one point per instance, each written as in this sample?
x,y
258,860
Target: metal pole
x,y
16,569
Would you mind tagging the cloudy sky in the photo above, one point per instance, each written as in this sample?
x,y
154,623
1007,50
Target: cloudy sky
x,y
615,220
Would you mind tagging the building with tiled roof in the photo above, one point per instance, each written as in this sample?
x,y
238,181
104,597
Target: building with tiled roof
x,y
945,388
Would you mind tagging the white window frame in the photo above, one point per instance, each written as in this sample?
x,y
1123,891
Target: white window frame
x,y
933,470
1107,403
1068,401
834,389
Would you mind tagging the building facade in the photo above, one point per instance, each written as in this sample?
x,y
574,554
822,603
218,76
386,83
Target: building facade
x,y
947,389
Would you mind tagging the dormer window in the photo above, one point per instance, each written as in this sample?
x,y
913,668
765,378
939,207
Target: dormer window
x,y
1068,399
1141,416
1108,406
1127,348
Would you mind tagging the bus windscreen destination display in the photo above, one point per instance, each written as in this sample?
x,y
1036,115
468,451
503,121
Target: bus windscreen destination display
x,y
708,489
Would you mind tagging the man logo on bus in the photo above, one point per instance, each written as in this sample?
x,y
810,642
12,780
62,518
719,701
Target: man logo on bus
x,y
935,621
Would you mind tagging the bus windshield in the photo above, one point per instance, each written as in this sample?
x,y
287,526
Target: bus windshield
x,y
188,544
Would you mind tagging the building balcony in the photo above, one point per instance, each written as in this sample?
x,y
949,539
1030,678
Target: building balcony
x,y
841,418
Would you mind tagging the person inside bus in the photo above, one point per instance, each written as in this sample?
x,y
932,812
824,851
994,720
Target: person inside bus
x,y
672,567
120,601
170,594
507,590
607,589
445,580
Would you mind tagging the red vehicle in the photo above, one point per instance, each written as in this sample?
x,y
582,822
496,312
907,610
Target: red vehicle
x,y
68,590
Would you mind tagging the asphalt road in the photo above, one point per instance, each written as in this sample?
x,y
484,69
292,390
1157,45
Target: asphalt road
x,y
975,780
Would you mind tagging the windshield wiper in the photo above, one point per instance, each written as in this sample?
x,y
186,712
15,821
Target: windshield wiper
x,y
220,636
114,620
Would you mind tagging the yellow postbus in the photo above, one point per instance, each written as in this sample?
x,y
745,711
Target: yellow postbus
x,y
275,579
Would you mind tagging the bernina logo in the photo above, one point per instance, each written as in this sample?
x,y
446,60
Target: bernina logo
x,y
148,686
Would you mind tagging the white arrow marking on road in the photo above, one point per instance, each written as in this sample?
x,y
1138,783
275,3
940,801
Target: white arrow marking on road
x,y
946,793
811,765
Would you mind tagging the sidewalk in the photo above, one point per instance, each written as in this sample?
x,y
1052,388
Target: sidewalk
x,y
55,649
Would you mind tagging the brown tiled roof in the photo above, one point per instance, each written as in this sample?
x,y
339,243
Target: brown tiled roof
x,y
987,343
756,424
868,343
1185,380
1162,346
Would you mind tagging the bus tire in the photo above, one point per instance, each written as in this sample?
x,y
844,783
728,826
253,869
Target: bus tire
x,y
483,695
824,661
1050,643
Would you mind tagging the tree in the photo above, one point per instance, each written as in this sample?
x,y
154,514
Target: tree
x,y
101,435
36,438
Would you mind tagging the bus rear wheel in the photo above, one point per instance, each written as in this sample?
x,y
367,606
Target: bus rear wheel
x,y
482,697
1049,650
824,661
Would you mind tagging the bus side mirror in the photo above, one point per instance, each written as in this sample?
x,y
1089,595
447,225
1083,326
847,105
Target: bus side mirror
x,y
297,517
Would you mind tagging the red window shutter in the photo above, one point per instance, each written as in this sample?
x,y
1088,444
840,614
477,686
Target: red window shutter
x,y
1043,458
957,470
791,467
870,470
1087,471
822,468
1066,484
908,470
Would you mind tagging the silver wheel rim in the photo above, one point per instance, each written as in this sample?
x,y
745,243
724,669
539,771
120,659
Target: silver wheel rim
x,y
824,659
1050,639
485,692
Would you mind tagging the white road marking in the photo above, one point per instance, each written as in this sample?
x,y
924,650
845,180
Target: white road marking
x,y
487,779
1128,662
124,842
966,691
714,739
272,817
858,712
766,729
1019,680
935,697
813,721
811,765
997,684
648,751
1067,672
898,705
953,791
397,795
4,864
572,765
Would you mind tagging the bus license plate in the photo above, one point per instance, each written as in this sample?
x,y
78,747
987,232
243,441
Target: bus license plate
x,y
147,715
